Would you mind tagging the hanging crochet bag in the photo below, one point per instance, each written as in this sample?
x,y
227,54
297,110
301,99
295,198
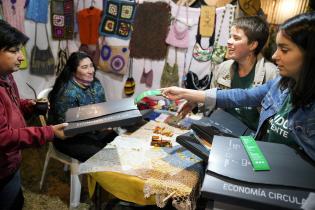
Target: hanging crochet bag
x,y
176,36
199,53
62,19
42,61
63,55
170,74
192,80
113,59
147,76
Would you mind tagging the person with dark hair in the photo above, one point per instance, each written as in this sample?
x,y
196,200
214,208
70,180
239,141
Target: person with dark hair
x,y
77,86
288,102
14,133
246,67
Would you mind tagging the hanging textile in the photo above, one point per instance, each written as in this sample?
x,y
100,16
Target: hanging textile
x,y
147,76
62,19
88,22
170,73
1,12
13,13
150,30
117,18
130,85
42,61
37,10
113,59
177,37
63,55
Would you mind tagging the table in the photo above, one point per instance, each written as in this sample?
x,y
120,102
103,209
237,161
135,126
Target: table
x,y
132,170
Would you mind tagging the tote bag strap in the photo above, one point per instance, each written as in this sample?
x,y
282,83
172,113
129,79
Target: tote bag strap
x,y
46,35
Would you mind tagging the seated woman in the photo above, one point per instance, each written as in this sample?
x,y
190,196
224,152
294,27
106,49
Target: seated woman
x,y
77,86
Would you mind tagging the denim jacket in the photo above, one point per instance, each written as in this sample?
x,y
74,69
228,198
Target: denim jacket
x,y
301,122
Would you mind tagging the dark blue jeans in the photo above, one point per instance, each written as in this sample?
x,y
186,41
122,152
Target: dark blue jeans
x,y
11,195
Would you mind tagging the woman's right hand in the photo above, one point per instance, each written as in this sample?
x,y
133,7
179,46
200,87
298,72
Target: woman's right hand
x,y
59,130
186,109
177,93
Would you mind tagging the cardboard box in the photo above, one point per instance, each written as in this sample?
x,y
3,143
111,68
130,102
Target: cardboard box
x,y
93,117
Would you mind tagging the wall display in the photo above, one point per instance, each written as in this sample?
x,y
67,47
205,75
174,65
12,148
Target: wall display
x,y
13,12
62,19
219,51
150,30
250,7
113,59
37,11
117,18
63,55
193,82
170,74
207,20
42,61
88,21
24,63
130,85
178,36
147,77
199,53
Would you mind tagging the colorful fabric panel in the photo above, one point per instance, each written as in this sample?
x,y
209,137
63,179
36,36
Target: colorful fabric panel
x,y
62,19
117,18
37,11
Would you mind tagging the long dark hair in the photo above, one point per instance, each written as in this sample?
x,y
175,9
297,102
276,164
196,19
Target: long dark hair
x,y
66,74
301,31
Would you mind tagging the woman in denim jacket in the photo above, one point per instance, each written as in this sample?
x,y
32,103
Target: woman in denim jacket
x,y
288,109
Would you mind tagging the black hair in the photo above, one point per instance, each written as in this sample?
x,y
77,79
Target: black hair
x,y
10,36
66,74
255,29
301,31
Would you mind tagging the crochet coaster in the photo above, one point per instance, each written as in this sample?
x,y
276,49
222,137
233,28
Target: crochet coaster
x,y
117,18
62,16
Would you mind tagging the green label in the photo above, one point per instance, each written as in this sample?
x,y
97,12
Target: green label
x,y
255,155
147,93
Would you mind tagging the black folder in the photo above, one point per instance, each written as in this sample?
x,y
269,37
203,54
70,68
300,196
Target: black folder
x,y
98,116
231,178
220,123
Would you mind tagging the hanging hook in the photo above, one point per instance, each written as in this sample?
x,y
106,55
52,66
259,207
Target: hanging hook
x,y
92,4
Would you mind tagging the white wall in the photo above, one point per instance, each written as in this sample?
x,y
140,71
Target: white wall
x,y
112,84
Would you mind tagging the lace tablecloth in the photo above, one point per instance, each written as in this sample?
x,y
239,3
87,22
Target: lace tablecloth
x,y
167,172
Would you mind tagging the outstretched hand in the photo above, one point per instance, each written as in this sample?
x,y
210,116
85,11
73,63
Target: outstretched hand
x,y
173,93
177,93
